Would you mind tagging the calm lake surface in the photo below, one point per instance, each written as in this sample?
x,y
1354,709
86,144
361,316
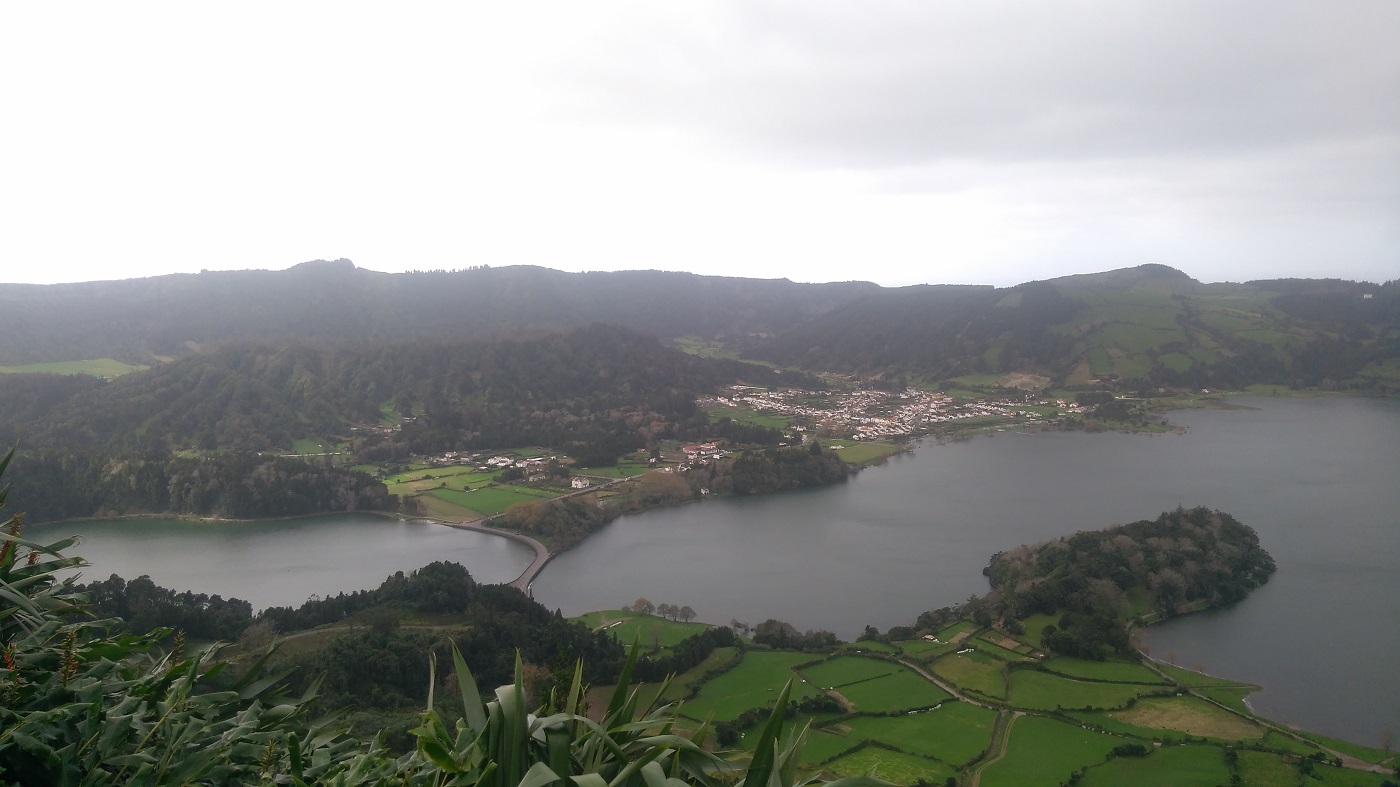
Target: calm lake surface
x,y
282,562
1319,479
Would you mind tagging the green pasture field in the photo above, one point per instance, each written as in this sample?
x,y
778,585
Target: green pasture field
x,y
1099,362
1112,671
676,691
491,499
978,380
1129,366
1036,623
1044,752
901,691
952,630
1177,362
753,684
310,446
1388,370
1228,322
975,671
1277,741
921,649
1119,727
954,732
619,470
437,508
1259,769
97,367
854,452
454,475
890,766
1134,338
1170,766
1042,691
704,348
996,650
1191,715
823,745
748,415
653,630
845,670
388,416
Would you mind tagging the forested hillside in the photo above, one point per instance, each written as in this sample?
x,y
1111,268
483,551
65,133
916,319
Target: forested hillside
x,y
169,316
1142,327
202,435
589,384
1137,328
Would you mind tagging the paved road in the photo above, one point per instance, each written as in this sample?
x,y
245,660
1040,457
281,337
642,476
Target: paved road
x,y
542,555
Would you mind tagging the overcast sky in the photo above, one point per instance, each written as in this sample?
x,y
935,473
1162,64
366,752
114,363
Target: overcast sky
x,y
982,142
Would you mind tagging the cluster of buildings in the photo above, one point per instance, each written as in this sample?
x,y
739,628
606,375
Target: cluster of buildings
x,y
880,415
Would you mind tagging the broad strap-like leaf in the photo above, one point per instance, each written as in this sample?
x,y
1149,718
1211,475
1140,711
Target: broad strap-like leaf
x,y
472,709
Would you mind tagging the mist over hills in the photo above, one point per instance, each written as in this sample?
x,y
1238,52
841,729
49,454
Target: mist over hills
x,y
1147,326
138,320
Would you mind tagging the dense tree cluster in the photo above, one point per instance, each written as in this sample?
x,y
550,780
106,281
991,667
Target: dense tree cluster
x,y
781,635
1184,559
498,619
62,484
143,605
773,469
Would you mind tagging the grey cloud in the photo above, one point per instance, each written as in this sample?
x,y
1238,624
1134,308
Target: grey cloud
x,y
875,85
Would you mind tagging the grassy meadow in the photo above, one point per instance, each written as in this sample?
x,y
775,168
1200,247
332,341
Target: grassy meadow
x,y
1054,720
97,367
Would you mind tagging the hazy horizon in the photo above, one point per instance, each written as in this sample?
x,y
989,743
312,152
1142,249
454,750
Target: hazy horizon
x,y
901,143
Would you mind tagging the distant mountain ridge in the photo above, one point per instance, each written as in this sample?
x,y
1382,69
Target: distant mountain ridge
x,y
1140,327
138,320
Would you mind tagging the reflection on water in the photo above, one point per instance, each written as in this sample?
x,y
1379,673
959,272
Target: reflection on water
x,y
283,562
1316,478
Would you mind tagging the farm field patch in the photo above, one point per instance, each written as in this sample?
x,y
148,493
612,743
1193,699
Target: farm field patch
x,y
954,732
753,684
1042,691
1115,671
97,367
1170,766
1044,752
975,671
889,765
844,670
653,630
1190,715
903,690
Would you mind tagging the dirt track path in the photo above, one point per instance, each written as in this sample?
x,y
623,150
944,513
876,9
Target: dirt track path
x,y
1005,743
